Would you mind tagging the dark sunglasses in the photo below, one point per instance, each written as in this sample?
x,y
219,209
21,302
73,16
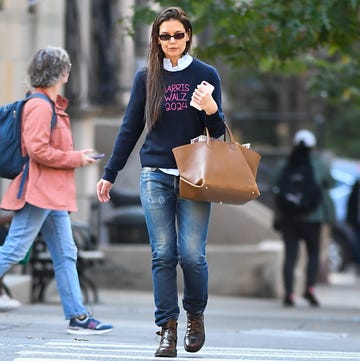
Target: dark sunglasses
x,y
167,37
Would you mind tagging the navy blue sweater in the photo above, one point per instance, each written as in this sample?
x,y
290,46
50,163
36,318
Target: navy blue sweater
x,y
179,121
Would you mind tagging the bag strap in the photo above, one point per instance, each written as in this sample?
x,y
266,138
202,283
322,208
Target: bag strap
x,y
227,129
53,123
45,97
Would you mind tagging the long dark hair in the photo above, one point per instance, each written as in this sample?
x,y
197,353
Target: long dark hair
x,y
154,82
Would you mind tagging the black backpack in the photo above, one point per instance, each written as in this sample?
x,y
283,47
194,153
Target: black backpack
x,y
298,192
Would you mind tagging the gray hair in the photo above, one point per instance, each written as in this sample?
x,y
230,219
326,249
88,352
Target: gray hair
x,y
48,66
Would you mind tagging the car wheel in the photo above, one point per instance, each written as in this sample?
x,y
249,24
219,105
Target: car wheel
x,y
339,252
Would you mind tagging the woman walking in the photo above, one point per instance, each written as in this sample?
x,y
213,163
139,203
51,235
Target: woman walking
x,y
49,193
160,101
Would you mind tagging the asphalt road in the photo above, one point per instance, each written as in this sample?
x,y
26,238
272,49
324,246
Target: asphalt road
x,y
236,329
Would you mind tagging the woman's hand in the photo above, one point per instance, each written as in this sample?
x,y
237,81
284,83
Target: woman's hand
x,y
205,101
85,159
103,190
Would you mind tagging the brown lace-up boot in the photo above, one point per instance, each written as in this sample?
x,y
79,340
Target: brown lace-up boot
x,y
168,333
195,332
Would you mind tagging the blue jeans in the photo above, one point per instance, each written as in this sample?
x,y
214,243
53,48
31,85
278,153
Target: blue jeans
x,y
55,227
178,233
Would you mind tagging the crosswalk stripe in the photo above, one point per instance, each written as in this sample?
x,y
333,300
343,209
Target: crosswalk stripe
x,y
46,359
239,357
86,343
296,333
84,350
213,350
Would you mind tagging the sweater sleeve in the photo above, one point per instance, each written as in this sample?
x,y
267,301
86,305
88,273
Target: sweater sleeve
x,y
215,122
130,130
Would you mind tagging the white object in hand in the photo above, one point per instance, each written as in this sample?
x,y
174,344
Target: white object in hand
x,y
205,87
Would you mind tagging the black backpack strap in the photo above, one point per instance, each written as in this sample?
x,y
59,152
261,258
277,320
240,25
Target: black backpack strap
x,y
53,123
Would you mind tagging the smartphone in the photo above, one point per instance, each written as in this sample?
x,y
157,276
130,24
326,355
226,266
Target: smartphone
x,y
205,87
98,156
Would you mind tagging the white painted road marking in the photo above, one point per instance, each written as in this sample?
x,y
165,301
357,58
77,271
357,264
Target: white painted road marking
x,y
59,350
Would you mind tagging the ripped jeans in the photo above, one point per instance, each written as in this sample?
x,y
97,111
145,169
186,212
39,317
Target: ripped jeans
x,y
178,233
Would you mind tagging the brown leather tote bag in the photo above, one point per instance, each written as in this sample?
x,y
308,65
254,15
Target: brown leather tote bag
x,y
217,171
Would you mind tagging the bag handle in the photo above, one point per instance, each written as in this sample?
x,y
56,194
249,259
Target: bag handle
x,y
227,129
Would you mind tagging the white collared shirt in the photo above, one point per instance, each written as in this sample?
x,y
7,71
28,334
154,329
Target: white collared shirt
x,y
182,64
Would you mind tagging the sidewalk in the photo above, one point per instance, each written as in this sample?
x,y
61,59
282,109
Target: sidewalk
x,y
343,291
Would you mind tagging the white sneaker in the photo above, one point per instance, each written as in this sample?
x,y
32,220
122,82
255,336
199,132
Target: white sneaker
x,y
7,303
